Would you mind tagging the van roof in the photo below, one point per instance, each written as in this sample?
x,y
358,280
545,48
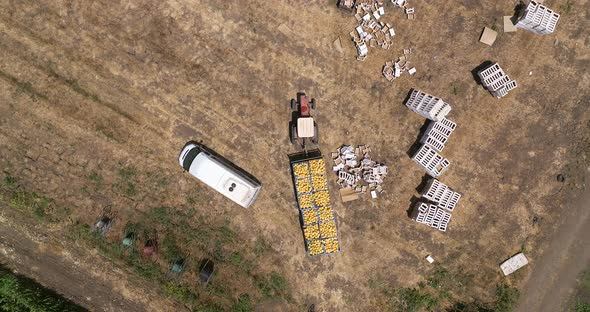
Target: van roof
x,y
219,177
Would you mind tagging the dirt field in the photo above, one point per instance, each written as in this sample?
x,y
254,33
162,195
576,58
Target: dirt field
x,y
97,98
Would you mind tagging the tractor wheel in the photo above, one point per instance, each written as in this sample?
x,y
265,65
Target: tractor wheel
x,y
293,134
316,135
293,104
312,104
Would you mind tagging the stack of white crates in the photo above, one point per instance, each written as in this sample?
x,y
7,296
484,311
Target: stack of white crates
x,y
428,106
496,81
437,133
432,216
441,194
433,163
538,19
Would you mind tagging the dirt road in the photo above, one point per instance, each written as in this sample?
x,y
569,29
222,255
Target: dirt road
x,y
554,273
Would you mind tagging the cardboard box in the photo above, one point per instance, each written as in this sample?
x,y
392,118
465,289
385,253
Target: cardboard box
x,y
347,194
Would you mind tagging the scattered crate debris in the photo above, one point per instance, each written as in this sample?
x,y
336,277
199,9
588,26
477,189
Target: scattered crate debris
x,y
404,4
538,19
393,69
488,36
496,81
357,172
317,218
346,4
370,32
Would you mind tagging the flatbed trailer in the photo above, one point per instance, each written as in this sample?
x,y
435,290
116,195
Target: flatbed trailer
x,y
316,216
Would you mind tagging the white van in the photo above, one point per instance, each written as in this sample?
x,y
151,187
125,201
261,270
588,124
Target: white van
x,y
219,173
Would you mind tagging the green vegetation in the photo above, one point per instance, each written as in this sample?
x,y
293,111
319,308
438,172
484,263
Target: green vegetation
x,y
180,231
26,201
170,248
128,172
494,25
9,180
272,285
24,87
29,201
435,293
580,302
260,247
506,298
581,306
18,293
585,281
566,8
236,258
126,183
181,292
95,178
243,304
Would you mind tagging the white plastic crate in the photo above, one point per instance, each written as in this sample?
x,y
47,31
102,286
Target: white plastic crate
x,y
446,218
430,214
496,81
427,106
445,198
434,143
453,201
434,190
445,124
431,161
498,84
538,19
511,85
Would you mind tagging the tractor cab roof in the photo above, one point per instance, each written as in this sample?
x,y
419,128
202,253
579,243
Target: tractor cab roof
x,y
305,127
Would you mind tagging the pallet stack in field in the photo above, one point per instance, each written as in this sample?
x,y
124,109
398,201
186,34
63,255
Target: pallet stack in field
x,y
436,135
439,200
538,19
496,81
437,213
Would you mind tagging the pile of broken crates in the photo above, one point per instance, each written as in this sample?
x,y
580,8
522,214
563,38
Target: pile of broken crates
x,y
439,199
393,70
370,32
357,171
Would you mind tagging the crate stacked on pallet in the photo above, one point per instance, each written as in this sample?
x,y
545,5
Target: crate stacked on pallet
x,y
437,133
432,216
433,163
428,106
496,81
440,194
438,213
538,19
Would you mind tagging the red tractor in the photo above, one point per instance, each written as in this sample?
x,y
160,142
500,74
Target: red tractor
x,y
303,127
